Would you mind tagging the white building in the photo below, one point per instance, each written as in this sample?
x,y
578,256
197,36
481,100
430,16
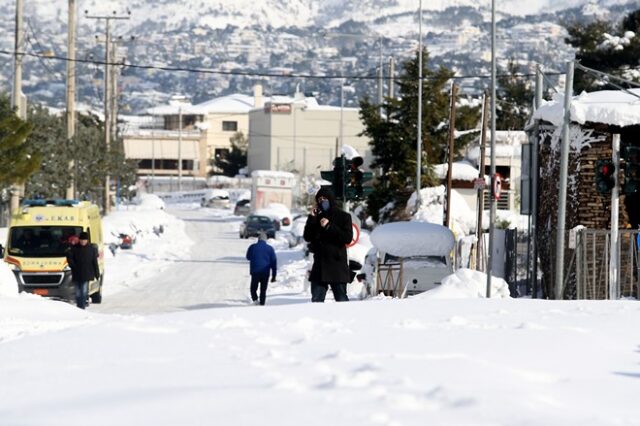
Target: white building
x,y
508,164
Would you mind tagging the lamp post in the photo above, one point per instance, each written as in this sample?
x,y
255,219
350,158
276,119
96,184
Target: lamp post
x,y
179,148
419,138
493,200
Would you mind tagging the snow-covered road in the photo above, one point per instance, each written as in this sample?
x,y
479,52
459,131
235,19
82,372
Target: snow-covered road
x,y
213,273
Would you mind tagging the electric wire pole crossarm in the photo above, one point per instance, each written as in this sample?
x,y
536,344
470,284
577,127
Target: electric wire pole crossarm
x,y
108,107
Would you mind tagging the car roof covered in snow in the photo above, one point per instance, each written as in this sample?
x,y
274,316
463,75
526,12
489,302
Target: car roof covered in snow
x,y
405,239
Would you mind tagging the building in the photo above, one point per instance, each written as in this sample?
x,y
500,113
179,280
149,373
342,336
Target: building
x,y
508,165
205,133
297,134
595,118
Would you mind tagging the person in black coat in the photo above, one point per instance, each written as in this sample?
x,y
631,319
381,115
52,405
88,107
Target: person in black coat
x,y
327,231
83,261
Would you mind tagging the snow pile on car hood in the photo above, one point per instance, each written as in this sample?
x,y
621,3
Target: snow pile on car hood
x,y
404,239
467,284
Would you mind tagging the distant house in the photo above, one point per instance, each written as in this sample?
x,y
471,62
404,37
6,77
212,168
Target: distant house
x,y
508,165
206,131
595,118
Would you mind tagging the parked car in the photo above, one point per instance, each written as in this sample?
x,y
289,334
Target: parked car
x,y
253,224
242,208
423,249
279,214
216,198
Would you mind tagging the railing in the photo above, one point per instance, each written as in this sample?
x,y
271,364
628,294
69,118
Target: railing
x,y
592,258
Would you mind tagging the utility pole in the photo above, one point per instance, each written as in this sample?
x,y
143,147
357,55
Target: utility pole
x,y
71,92
179,148
380,80
494,200
535,171
107,92
452,129
419,129
392,72
614,260
562,197
341,116
483,144
18,100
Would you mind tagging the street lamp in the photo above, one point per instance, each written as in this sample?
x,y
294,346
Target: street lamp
x,y
494,201
419,137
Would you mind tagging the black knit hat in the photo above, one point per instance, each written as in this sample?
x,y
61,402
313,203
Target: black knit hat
x,y
326,192
84,236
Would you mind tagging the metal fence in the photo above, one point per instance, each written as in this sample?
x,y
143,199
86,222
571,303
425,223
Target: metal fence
x,y
592,257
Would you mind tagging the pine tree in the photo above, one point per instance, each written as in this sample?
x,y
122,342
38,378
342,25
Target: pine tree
x,y
18,160
514,99
393,138
592,52
236,159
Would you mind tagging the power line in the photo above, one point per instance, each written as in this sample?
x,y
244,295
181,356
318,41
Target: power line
x,y
257,73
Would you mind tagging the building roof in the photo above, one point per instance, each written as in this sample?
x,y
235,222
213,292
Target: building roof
x,y
612,107
240,104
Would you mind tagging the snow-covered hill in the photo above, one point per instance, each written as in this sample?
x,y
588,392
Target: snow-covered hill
x,y
283,37
290,13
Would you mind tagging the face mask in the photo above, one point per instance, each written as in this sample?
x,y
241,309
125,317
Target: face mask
x,y
324,205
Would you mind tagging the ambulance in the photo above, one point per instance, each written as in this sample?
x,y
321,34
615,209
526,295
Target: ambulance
x,y
38,240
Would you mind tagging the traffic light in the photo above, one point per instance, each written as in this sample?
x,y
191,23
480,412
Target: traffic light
x,y
605,176
336,177
355,179
631,169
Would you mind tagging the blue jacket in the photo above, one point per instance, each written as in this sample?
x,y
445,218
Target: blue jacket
x,y
262,258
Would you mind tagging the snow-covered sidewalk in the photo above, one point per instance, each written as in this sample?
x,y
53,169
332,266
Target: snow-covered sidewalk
x,y
415,361
449,357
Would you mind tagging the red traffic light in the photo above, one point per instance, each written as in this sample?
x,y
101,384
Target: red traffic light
x,y
608,169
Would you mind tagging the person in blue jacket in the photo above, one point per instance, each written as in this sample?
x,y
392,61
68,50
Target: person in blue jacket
x,y
262,260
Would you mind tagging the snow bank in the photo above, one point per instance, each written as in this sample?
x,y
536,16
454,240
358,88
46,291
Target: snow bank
x,y
145,201
467,284
460,170
611,107
152,252
406,239
8,284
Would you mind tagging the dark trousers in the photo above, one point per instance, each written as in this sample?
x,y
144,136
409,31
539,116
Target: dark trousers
x,y
319,291
263,280
82,290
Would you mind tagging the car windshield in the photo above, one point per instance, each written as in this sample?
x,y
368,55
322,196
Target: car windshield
x,y
41,241
258,219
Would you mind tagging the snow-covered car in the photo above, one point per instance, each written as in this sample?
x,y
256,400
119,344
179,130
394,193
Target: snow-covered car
x,y
216,198
242,208
423,249
279,213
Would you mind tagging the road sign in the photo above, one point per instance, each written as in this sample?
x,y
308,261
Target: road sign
x,y
497,186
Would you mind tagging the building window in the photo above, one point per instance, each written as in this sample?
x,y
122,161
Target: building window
x,y
230,126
